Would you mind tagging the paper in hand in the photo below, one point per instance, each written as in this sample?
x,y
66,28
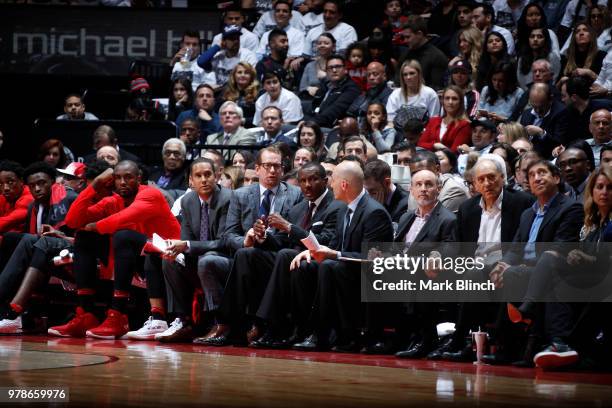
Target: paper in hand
x,y
311,243
159,243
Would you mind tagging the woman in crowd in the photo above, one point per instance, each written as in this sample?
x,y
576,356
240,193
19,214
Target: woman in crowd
x,y
243,158
54,153
448,161
583,56
496,51
232,177
538,46
469,43
310,135
501,94
450,130
302,156
510,132
315,71
509,154
376,129
533,16
243,88
181,98
461,76
412,92
599,19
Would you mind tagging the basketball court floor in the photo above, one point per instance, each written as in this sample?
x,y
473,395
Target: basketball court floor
x,y
101,373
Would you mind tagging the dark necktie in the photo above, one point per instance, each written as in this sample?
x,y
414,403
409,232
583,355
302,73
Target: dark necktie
x,y
347,221
308,216
204,222
264,207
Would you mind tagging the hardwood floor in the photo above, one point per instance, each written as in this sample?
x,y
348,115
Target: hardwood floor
x,y
147,374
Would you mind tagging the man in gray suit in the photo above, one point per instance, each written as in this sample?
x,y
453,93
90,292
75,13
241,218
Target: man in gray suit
x,y
204,211
231,117
247,224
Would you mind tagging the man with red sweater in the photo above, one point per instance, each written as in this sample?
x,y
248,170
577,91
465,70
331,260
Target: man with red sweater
x,y
129,216
15,197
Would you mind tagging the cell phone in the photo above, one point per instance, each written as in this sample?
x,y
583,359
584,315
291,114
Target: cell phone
x,y
482,112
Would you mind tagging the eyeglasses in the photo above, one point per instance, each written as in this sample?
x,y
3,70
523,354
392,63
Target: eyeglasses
x,y
334,67
468,184
270,166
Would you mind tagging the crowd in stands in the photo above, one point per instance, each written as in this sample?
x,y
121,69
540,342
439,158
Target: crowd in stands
x,y
472,122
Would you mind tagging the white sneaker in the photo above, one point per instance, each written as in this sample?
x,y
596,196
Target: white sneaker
x,y
148,331
8,326
175,326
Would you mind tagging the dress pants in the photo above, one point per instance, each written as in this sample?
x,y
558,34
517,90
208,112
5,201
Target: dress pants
x,y
246,285
208,271
15,266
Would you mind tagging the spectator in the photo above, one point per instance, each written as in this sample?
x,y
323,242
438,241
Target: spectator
x,y
277,60
450,130
335,95
483,17
500,96
295,37
53,153
534,16
509,154
233,133
412,92
74,109
357,59
583,56
443,23
469,45
277,95
538,47
312,14
190,135
495,52
433,61
109,154
576,163
272,122
267,21
314,71
185,62
546,122
605,157
203,111
302,156
171,176
250,175
463,22
234,15
181,98
541,73
600,127
602,87
310,135
377,91
461,76
342,32
221,60
394,22
377,130
242,159
232,178
243,88
483,136
377,182
508,12
105,136
509,132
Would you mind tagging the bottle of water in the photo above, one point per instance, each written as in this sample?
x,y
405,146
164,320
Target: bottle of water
x,y
186,59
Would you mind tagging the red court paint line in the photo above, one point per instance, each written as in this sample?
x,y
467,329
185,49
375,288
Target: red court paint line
x,y
339,358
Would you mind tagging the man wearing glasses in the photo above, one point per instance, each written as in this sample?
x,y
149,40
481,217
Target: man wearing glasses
x,y
171,176
335,95
247,226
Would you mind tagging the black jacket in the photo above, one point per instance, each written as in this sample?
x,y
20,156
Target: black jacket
x,y
555,125
334,107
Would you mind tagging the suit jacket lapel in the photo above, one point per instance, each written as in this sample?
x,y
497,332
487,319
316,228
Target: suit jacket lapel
x,y
428,224
554,208
196,215
212,210
254,200
403,229
357,216
281,194
318,216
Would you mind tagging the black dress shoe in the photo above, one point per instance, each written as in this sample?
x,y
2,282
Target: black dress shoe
x,y
380,347
265,342
350,347
419,350
449,346
217,341
311,343
464,355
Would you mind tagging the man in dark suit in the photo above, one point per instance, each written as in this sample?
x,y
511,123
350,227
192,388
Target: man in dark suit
x,y
430,222
546,122
171,176
491,217
337,304
335,94
378,183
552,218
204,211
292,292
246,225
105,136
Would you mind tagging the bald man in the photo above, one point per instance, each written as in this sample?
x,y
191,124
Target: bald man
x,y
337,304
600,126
378,91
547,120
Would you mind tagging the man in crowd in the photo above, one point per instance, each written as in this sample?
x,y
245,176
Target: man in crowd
x,y
203,111
234,15
272,122
344,33
483,17
233,133
105,135
74,109
295,37
377,91
600,127
377,181
171,176
185,62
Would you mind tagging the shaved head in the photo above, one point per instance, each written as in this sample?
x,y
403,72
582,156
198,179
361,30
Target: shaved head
x,y
347,181
129,165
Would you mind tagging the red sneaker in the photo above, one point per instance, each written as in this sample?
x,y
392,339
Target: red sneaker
x,y
76,327
114,327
